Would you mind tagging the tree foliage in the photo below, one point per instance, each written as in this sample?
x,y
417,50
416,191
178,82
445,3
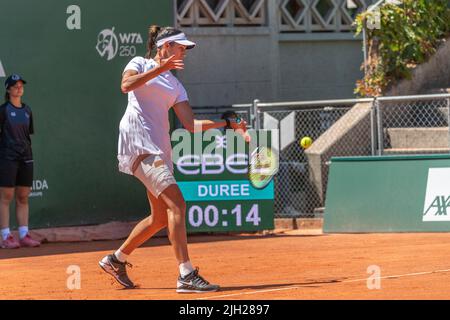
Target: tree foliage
x,y
408,35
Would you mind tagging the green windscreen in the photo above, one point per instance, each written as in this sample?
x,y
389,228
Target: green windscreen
x,y
72,54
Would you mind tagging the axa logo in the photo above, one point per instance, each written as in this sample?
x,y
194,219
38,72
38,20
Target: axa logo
x,y
110,44
437,196
438,207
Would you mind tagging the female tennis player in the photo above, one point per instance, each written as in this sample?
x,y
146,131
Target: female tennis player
x,y
16,163
144,150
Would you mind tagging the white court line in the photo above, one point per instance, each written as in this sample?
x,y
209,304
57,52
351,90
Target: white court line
x,y
330,282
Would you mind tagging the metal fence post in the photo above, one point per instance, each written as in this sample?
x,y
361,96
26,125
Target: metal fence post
x,y
379,127
255,118
448,120
373,128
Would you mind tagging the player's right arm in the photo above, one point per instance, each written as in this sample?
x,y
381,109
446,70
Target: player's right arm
x,y
132,80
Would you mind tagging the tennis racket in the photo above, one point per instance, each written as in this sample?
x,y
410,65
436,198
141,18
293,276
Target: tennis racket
x,y
262,166
263,160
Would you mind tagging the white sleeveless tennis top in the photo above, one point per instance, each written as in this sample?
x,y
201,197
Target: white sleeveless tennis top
x,y
144,128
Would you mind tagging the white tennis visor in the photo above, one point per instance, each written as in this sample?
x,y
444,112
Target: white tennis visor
x,y
178,38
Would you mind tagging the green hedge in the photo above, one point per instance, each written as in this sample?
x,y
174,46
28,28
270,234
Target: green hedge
x,y
409,34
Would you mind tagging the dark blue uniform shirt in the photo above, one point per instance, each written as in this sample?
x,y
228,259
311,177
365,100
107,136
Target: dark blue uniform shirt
x,y
16,126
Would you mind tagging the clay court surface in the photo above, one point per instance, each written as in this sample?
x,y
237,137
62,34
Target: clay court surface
x,y
286,265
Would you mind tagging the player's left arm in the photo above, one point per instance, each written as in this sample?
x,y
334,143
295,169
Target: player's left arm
x,y
184,112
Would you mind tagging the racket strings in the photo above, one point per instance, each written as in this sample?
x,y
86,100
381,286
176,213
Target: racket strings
x,y
263,163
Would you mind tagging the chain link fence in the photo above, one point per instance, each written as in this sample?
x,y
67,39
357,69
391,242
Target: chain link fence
x,y
354,127
296,195
409,125
364,127
302,172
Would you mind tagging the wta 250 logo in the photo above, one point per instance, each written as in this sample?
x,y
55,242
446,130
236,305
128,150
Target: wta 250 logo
x,y
109,44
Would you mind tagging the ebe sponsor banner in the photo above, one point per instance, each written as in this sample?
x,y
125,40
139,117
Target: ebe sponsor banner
x,y
437,197
224,190
211,169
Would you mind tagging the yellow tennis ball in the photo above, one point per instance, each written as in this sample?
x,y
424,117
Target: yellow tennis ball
x,y
306,142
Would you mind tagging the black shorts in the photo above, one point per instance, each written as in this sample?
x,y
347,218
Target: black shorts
x,y
16,173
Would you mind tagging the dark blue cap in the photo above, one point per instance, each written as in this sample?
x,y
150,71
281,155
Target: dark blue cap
x,y
12,80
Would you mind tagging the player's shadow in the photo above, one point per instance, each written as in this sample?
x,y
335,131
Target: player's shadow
x,y
306,284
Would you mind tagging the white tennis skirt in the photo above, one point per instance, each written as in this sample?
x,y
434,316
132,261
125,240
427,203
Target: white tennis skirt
x,y
135,140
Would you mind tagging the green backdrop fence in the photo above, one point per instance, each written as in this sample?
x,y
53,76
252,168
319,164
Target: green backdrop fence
x,y
388,194
72,54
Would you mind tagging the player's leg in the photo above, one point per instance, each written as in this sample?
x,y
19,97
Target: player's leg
x,y
22,214
148,227
8,173
150,170
115,264
189,279
176,212
22,206
7,240
23,189
6,196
